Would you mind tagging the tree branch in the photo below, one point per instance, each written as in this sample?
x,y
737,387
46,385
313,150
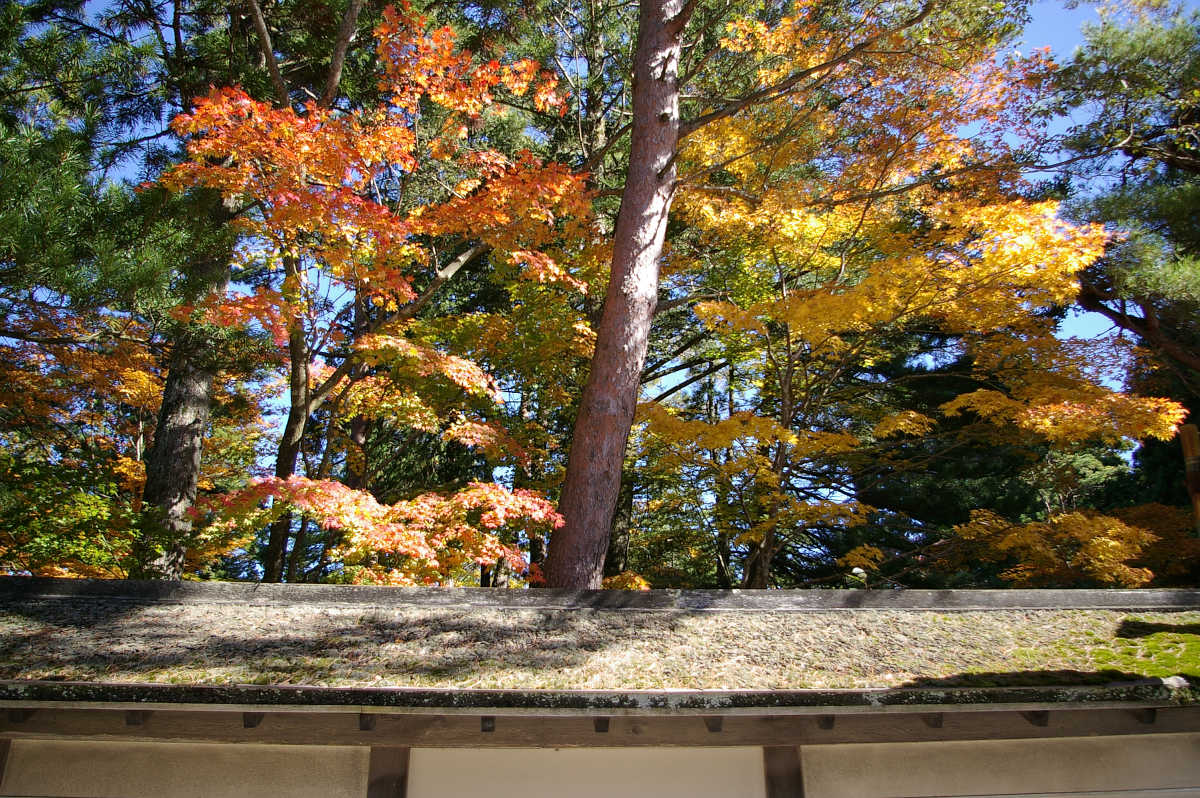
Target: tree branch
x,y
687,364
443,275
677,23
679,350
693,379
282,98
344,37
596,157
1147,328
671,304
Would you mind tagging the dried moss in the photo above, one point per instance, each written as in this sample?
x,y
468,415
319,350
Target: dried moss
x,y
589,649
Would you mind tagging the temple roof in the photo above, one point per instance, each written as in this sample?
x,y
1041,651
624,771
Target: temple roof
x,y
87,640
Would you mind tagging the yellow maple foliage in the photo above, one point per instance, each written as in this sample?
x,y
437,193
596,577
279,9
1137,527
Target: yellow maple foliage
x,y
826,230
1064,550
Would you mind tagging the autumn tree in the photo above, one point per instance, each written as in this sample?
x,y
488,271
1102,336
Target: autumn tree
x,y
341,202
174,461
813,60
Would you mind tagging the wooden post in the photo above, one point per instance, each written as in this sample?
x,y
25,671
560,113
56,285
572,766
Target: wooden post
x,y
781,764
1189,436
388,775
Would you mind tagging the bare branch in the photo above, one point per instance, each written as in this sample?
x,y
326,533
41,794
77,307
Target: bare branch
x,y
678,367
337,61
444,274
693,379
679,350
268,53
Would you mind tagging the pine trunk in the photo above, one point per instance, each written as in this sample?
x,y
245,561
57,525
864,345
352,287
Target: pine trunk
x,y
593,478
173,461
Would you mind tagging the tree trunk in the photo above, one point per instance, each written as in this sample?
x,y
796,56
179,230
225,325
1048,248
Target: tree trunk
x,y
758,563
173,461
593,477
274,556
759,572
495,575
616,560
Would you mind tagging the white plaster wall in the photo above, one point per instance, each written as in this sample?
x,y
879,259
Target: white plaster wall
x,y
183,770
587,772
1003,767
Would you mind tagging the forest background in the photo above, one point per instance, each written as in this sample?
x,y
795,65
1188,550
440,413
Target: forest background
x,y
670,294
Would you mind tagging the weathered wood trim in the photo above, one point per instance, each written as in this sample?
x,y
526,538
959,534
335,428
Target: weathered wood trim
x,y
387,775
467,731
1143,710
16,590
28,695
5,748
1148,715
782,768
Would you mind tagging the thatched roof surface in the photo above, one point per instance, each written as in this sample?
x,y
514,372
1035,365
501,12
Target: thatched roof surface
x,y
197,640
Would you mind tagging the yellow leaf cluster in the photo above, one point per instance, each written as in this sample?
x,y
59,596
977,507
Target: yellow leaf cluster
x,y
866,557
1061,550
906,422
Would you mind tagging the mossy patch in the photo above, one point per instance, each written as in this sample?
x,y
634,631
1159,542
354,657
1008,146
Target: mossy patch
x,y
1157,645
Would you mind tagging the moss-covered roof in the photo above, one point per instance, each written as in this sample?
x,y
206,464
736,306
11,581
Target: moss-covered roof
x,y
123,633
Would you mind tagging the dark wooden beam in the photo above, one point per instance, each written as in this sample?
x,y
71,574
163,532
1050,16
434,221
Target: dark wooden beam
x,y
781,765
1038,717
1145,715
528,730
5,747
388,772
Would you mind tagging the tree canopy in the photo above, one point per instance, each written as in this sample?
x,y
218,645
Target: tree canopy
x,y
681,294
